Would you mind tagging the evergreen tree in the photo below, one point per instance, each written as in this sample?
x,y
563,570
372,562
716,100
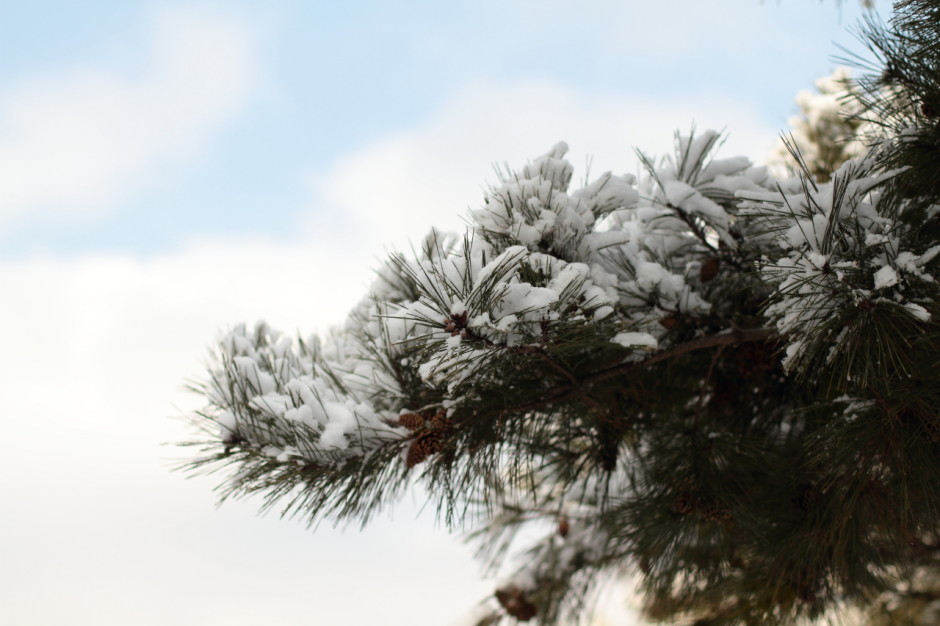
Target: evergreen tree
x,y
829,130
725,381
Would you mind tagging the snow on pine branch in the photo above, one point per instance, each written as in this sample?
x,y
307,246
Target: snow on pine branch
x,y
285,399
841,249
563,280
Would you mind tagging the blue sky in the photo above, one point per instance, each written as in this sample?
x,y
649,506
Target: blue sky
x,y
324,80
170,169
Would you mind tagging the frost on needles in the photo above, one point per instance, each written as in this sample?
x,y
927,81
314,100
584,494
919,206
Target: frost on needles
x,y
703,374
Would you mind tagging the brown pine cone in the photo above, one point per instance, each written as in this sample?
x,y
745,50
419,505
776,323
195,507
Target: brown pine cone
x,y
684,504
411,421
709,269
516,603
715,513
669,322
424,446
439,420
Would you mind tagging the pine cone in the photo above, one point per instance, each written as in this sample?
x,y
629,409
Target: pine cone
x,y
709,269
516,603
439,420
715,513
684,504
669,322
424,446
456,324
411,421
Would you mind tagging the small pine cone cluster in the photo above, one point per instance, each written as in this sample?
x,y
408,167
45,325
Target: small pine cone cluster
x,y
423,446
456,325
426,420
669,322
715,513
709,269
686,503
430,431
514,600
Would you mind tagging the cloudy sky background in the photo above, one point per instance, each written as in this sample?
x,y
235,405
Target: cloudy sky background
x,y
170,169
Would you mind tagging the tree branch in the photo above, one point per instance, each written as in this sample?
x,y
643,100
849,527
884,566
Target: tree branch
x,y
563,392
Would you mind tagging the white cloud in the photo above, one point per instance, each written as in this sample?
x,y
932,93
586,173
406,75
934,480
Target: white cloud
x,y
97,530
399,186
80,139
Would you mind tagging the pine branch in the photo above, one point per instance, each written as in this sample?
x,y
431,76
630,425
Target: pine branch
x,y
517,375
567,391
